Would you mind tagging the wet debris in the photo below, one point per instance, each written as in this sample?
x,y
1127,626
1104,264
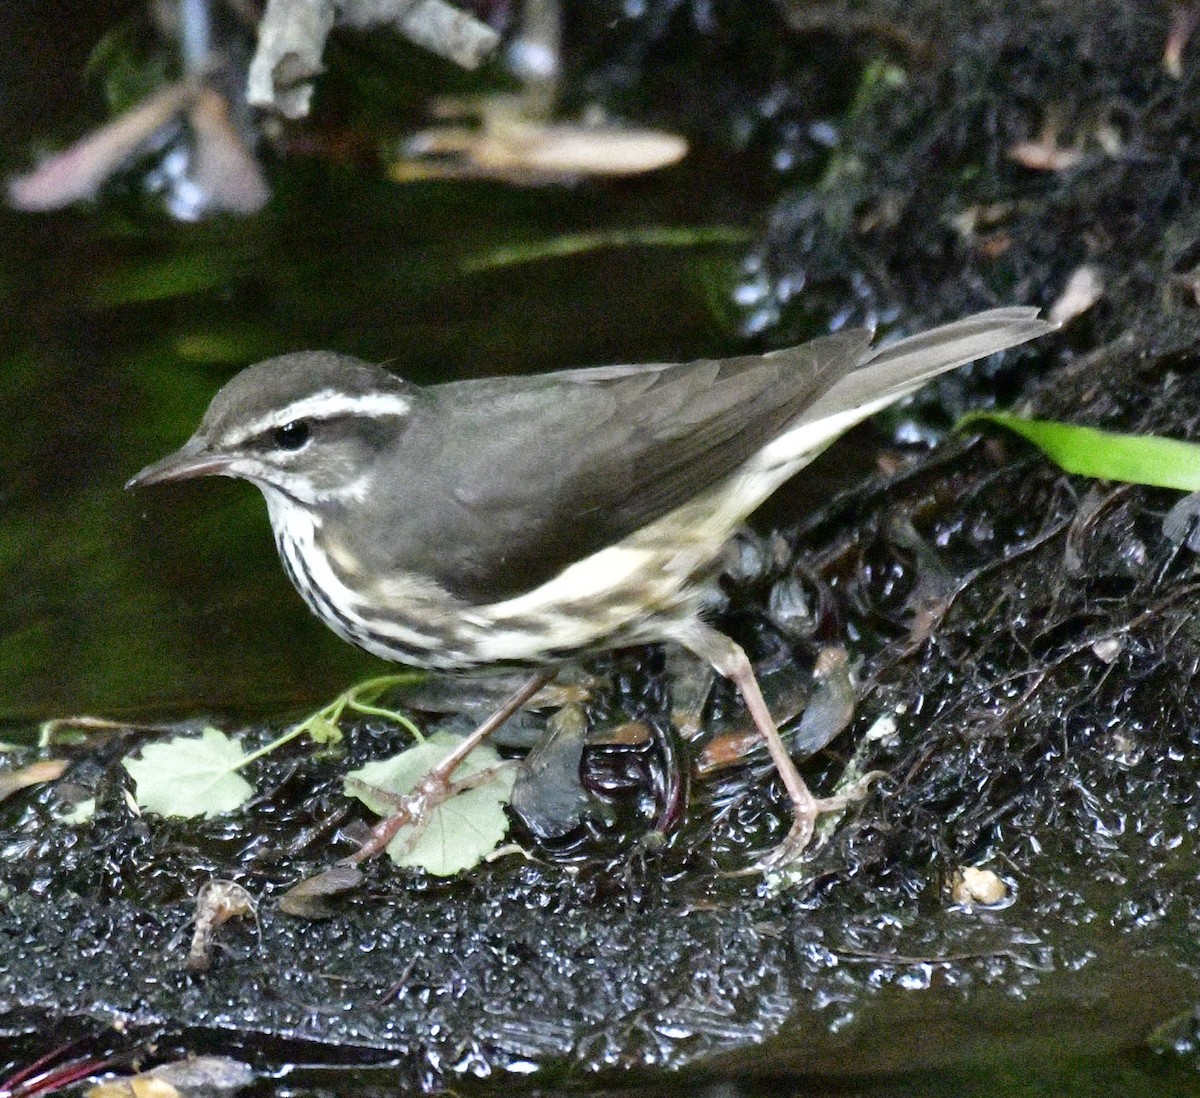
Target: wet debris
x,y
973,886
313,897
1085,286
195,1077
1181,524
830,707
548,794
691,682
217,902
825,705
786,689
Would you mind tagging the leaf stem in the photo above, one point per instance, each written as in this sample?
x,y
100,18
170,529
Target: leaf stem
x,y
329,715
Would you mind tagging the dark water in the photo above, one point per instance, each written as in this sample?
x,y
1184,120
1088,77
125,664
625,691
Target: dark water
x,y
121,323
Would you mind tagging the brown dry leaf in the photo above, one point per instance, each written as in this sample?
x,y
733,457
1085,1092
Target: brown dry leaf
x,y
520,149
47,770
78,172
1045,155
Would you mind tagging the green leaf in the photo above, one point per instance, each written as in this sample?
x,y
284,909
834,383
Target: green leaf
x,y
178,276
579,243
1107,455
322,730
461,830
190,776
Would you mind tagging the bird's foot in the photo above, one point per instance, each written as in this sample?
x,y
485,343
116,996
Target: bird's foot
x,y
798,838
807,810
415,808
310,897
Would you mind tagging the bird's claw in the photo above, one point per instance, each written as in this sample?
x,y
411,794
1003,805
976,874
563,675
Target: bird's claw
x,y
798,838
413,810
804,823
791,849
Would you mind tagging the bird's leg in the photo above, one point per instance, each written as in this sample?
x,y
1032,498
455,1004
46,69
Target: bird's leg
x,y
435,787
731,661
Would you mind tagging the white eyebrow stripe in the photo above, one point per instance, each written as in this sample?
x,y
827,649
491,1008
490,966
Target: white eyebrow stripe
x,y
327,404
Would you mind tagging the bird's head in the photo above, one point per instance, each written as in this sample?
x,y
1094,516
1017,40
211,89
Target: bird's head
x,y
309,425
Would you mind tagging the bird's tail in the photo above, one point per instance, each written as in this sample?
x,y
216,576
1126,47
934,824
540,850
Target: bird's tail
x,y
899,368
891,373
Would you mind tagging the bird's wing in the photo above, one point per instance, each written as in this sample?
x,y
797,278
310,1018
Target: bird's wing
x,y
502,483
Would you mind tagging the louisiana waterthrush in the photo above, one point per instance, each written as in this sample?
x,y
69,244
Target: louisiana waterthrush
x,y
527,520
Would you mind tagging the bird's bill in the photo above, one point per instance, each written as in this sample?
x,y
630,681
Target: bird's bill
x,y
191,460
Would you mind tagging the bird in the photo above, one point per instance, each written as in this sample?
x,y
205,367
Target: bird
x,y
525,521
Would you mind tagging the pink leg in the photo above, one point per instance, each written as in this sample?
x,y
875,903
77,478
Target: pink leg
x,y
435,787
731,662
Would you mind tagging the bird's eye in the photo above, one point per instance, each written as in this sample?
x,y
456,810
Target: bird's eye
x,y
292,436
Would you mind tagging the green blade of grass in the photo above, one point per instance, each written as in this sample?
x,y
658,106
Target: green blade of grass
x,y
580,243
1106,455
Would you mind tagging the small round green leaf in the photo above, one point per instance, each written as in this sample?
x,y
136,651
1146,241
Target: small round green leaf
x,y
462,830
190,776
